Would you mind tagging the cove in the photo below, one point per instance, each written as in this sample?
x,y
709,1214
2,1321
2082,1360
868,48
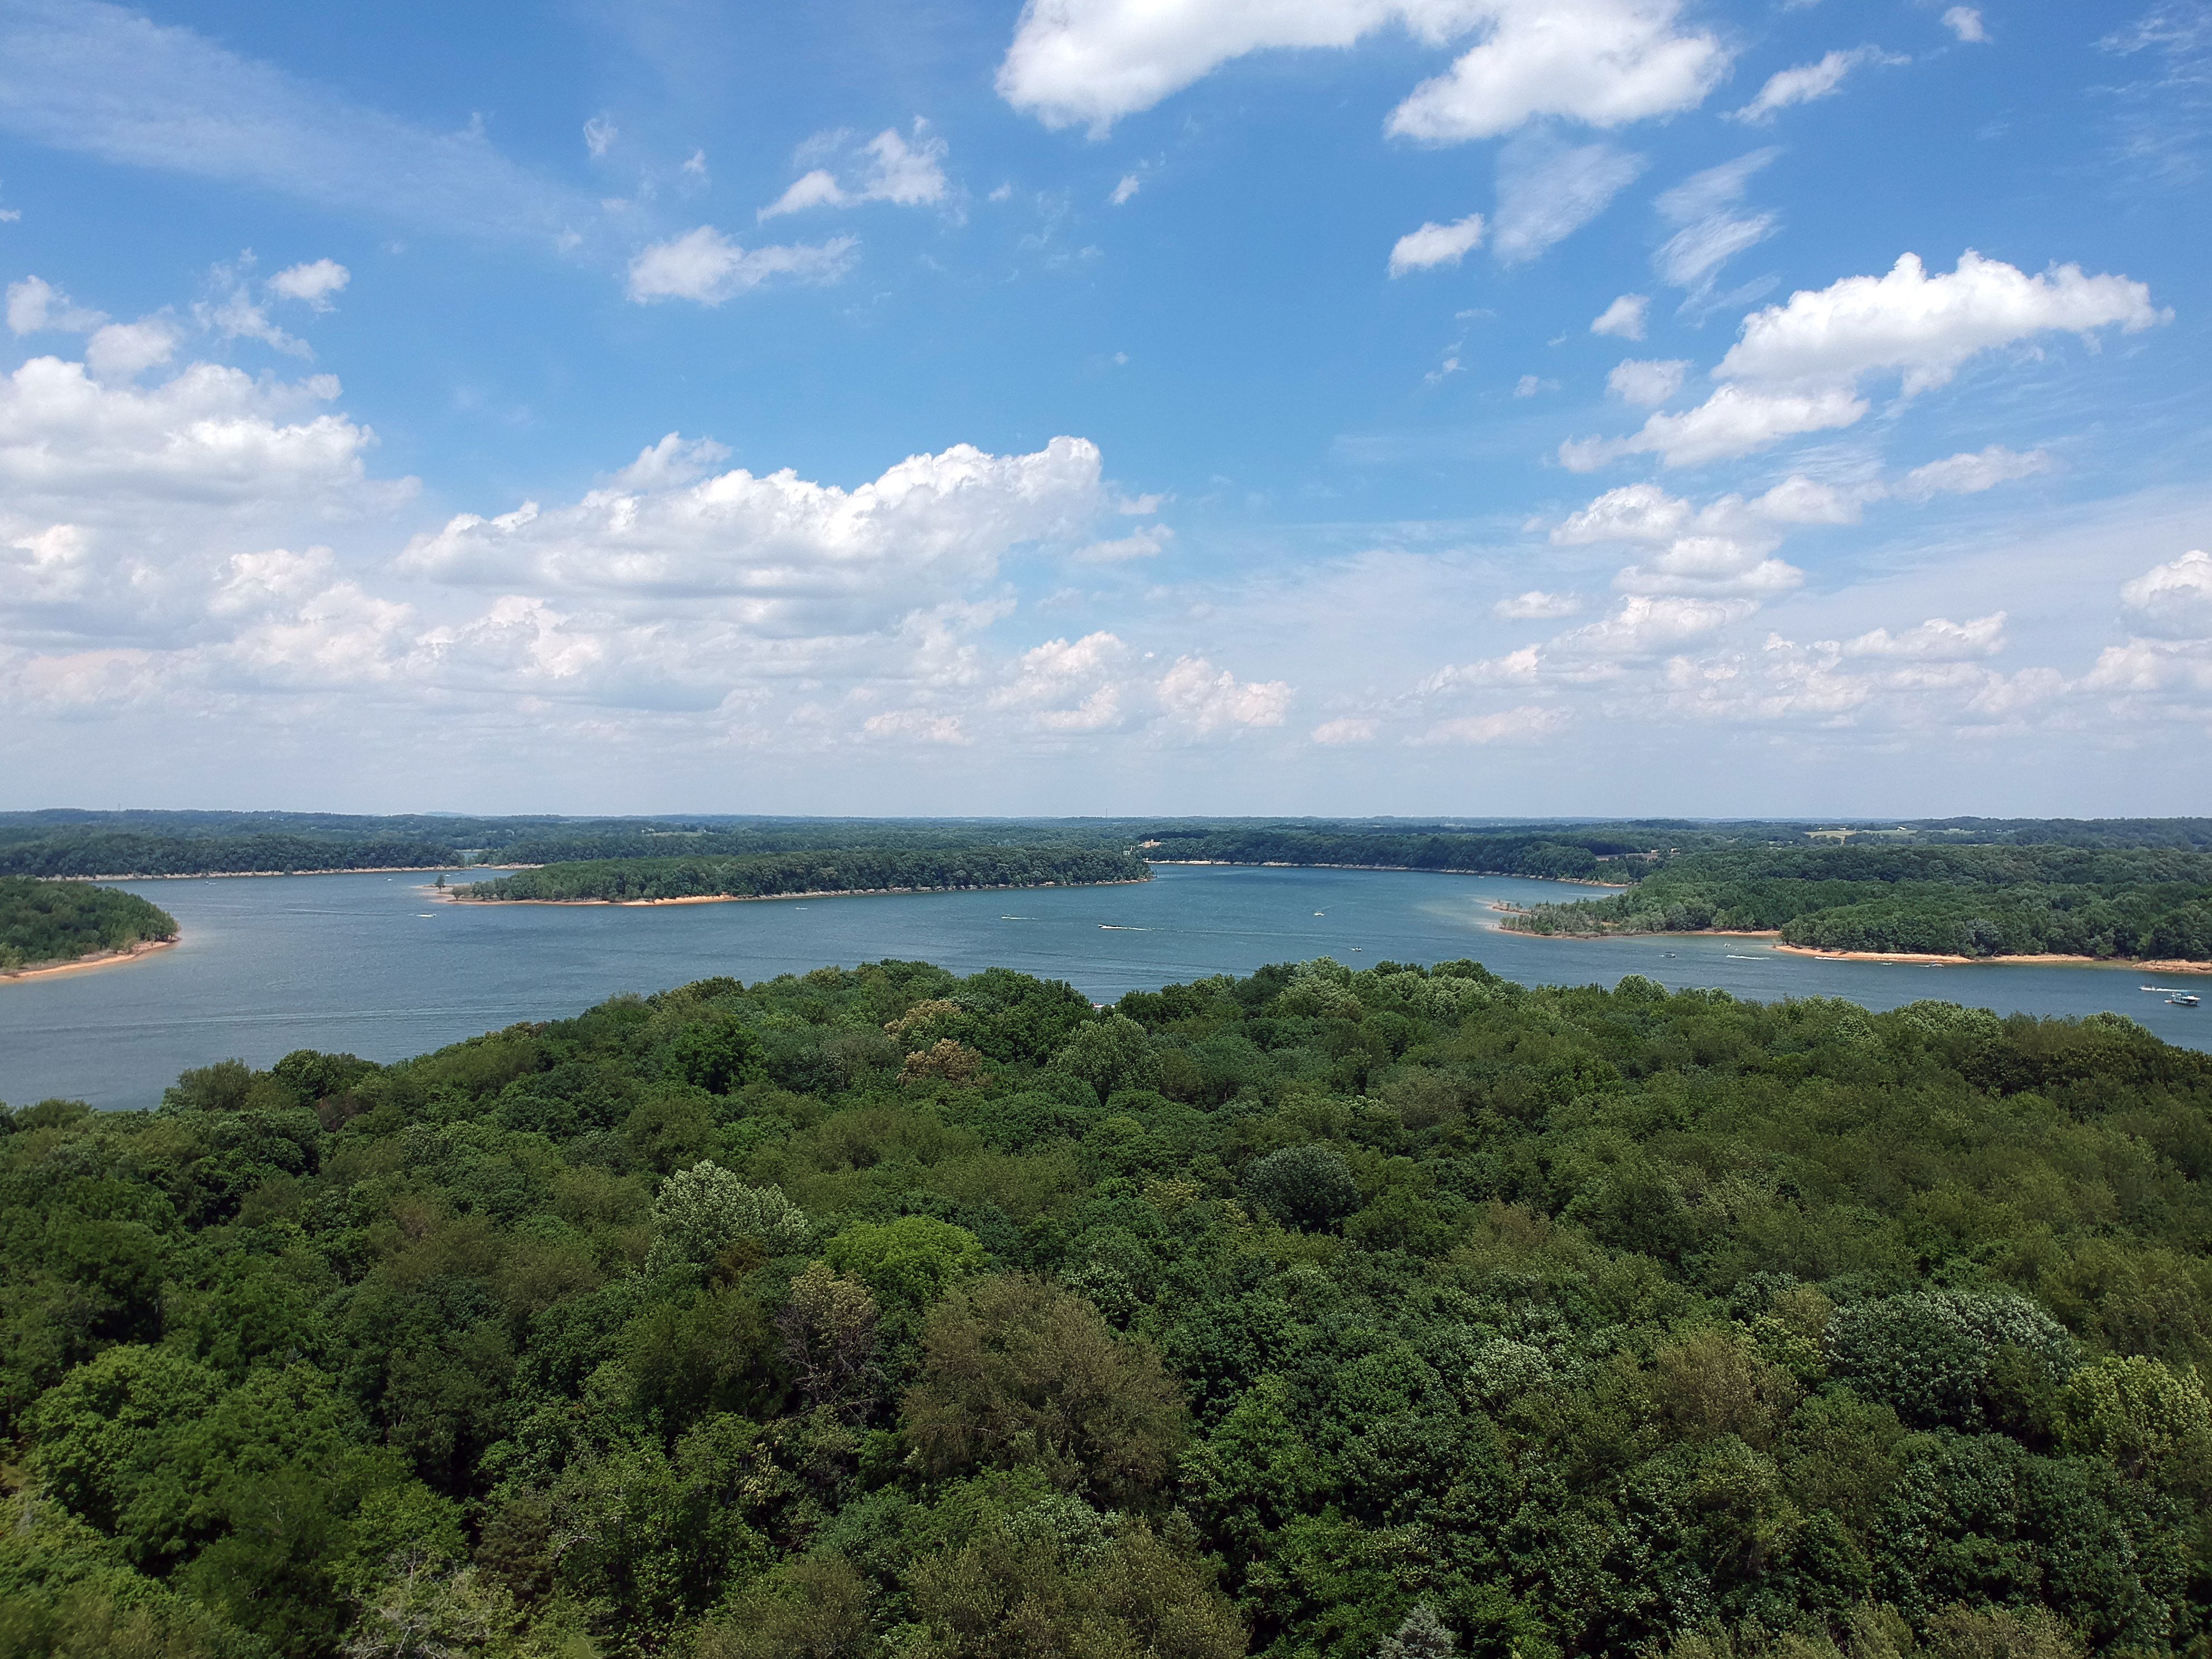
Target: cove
x,y
372,964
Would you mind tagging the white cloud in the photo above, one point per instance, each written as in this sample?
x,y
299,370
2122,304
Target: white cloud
x,y
1975,470
706,266
94,79
1514,668
1714,566
1523,724
1145,542
312,285
1123,190
1709,231
1623,318
1435,244
1809,82
892,170
1646,381
1601,62
1796,368
1537,605
916,726
123,351
35,305
1339,733
1966,22
1925,328
779,553
2172,601
1530,385
1644,626
599,133
1545,192
696,164
232,313
1936,640
1210,700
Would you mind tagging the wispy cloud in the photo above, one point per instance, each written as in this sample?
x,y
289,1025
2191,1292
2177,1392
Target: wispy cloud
x,y
98,80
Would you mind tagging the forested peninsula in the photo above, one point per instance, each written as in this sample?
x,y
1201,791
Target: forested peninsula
x,y
2139,904
46,925
807,874
1315,1314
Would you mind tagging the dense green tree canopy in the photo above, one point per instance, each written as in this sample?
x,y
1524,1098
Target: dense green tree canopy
x,y
45,922
1323,1314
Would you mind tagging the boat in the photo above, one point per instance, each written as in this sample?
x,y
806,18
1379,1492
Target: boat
x,y
2184,1000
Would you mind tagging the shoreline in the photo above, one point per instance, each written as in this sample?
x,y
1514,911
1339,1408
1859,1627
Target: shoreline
x,y
1908,958
82,964
1392,869
240,875
454,895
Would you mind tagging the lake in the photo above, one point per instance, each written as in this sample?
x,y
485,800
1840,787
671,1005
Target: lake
x,y
371,965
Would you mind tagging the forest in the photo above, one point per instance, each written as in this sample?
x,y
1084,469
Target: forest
x,y
46,923
1320,1313
848,870
122,843
2139,902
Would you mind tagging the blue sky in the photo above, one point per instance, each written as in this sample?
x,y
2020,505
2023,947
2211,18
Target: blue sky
x,y
1341,406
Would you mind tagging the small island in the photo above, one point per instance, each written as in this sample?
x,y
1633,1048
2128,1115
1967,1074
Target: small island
x,y
816,874
2149,905
49,927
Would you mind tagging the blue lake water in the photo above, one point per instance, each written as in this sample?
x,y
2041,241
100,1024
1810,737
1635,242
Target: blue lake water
x,y
369,964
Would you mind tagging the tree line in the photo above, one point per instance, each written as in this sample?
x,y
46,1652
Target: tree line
x,y
1319,1313
848,870
1971,901
46,923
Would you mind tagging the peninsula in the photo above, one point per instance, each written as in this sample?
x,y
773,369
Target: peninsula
x,y
58,927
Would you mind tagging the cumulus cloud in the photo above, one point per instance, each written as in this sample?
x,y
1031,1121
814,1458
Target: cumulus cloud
x,y
706,266
1523,724
1724,549
1971,473
1966,23
1646,382
312,285
1643,625
1547,191
1145,542
2172,601
1624,318
1936,640
1435,244
1809,81
1210,700
1340,733
35,305
781,553
1604,62
1537,605
889,168
1797,367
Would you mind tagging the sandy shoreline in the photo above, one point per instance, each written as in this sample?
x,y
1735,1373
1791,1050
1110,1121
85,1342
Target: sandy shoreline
x,y
1910,958
240,875
105,959
455,895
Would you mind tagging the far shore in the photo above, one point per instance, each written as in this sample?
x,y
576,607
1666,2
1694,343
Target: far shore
x,y
81,964
1911,958
1398,869
458,895
363,870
